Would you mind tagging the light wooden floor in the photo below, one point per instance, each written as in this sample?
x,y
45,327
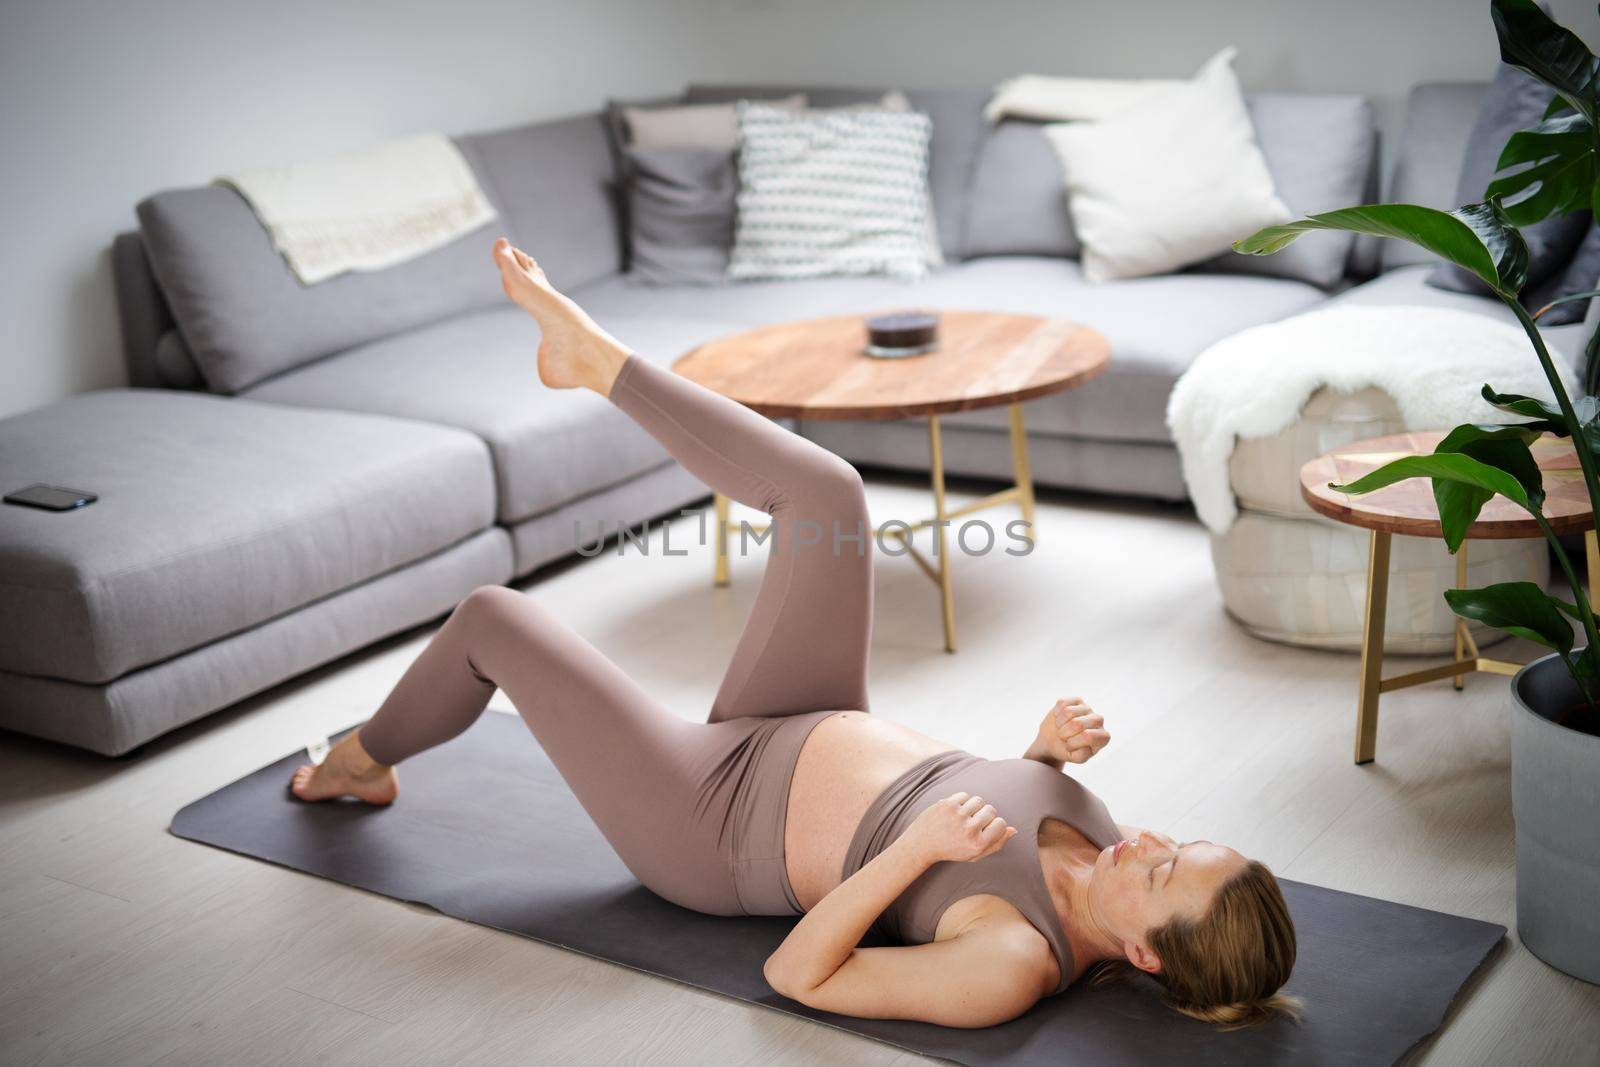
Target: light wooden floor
x,y
120,944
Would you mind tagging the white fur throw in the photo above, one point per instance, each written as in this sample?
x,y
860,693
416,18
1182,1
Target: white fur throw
x,y
1432,361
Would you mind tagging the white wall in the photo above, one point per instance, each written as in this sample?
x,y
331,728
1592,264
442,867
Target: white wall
x,y
1376,47
104,102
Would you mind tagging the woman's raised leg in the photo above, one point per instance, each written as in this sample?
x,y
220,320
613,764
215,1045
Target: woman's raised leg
x,y
805,645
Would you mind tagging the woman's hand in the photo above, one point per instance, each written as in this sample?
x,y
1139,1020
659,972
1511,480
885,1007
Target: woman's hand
x,y
1072,732
958,828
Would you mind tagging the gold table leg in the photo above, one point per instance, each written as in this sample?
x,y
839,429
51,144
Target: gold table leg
x,y
1020,472
941,540
1372,647
719,574
1468,659
1460,680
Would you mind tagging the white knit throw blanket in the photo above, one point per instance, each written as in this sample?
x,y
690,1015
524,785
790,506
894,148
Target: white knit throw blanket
x,y
1432,361
366,210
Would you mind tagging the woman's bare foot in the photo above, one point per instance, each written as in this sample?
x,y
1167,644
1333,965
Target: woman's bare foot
x,y
346,772
575,351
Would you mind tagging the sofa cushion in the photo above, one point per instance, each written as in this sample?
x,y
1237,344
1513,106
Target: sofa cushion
x,y
214,515
1438,121
1514,101
479,372
244,314
958,127
1018,204
1320,149
113,718
1409,285
746,304
1581,275
1156,325
553,184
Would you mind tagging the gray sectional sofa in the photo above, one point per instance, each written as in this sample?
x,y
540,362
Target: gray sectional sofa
x,y
299,471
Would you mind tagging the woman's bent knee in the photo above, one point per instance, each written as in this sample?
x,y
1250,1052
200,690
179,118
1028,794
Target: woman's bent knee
x,y
496,606
846,505
834,488
490,599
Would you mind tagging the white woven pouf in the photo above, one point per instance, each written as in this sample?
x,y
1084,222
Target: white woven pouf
x,y
1287,574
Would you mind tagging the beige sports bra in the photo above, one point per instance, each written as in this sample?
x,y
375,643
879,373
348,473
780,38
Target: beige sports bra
x,y
1024,792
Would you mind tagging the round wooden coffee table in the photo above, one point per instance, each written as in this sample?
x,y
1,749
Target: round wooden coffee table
x,y
817,369
1408,508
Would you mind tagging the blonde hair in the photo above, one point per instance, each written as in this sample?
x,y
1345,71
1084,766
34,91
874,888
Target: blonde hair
x,y
1227,966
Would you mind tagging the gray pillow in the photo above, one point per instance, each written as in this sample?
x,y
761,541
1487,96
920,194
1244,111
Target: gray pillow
x,y
1018,203
1581,275
1320,150
681,209
1515,101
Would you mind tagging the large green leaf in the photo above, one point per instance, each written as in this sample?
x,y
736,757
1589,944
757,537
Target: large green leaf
x,y
1585,407
1559,178
1503,447
1451,467
1505,245
1459,504
1476,237
1520,608
1548,417
1532,41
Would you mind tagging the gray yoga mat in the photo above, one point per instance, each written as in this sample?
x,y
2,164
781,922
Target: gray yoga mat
x,y
485,830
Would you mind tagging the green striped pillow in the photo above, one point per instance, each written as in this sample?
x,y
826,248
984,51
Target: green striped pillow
x,y
831,193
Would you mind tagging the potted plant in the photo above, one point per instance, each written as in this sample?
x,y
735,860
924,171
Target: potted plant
x,y
1555,700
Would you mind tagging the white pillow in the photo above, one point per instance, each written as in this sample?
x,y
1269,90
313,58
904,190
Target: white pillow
x,y
831,193
1173,180
1051,99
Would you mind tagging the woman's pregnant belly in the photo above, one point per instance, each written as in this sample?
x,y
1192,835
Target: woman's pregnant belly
x,y
847,760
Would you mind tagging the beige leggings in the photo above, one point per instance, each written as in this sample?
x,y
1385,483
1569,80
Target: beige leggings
x,y
695,810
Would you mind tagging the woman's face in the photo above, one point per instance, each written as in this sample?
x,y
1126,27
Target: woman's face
x,y
1144,882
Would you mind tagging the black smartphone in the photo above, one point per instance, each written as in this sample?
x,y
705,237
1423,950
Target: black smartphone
x,y
51,497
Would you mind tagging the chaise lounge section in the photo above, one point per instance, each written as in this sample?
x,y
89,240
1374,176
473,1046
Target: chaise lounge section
x,y
233,545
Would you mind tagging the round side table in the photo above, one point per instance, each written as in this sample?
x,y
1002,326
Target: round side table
x,y
1408,508
817,369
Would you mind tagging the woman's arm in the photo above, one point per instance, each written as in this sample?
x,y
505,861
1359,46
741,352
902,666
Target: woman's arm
x,y
819,963
1072,732
983,977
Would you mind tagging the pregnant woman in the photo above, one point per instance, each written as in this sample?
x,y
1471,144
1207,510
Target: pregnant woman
x,y
1000,881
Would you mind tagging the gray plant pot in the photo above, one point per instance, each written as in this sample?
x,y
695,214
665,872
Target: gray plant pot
x,y
1555,800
